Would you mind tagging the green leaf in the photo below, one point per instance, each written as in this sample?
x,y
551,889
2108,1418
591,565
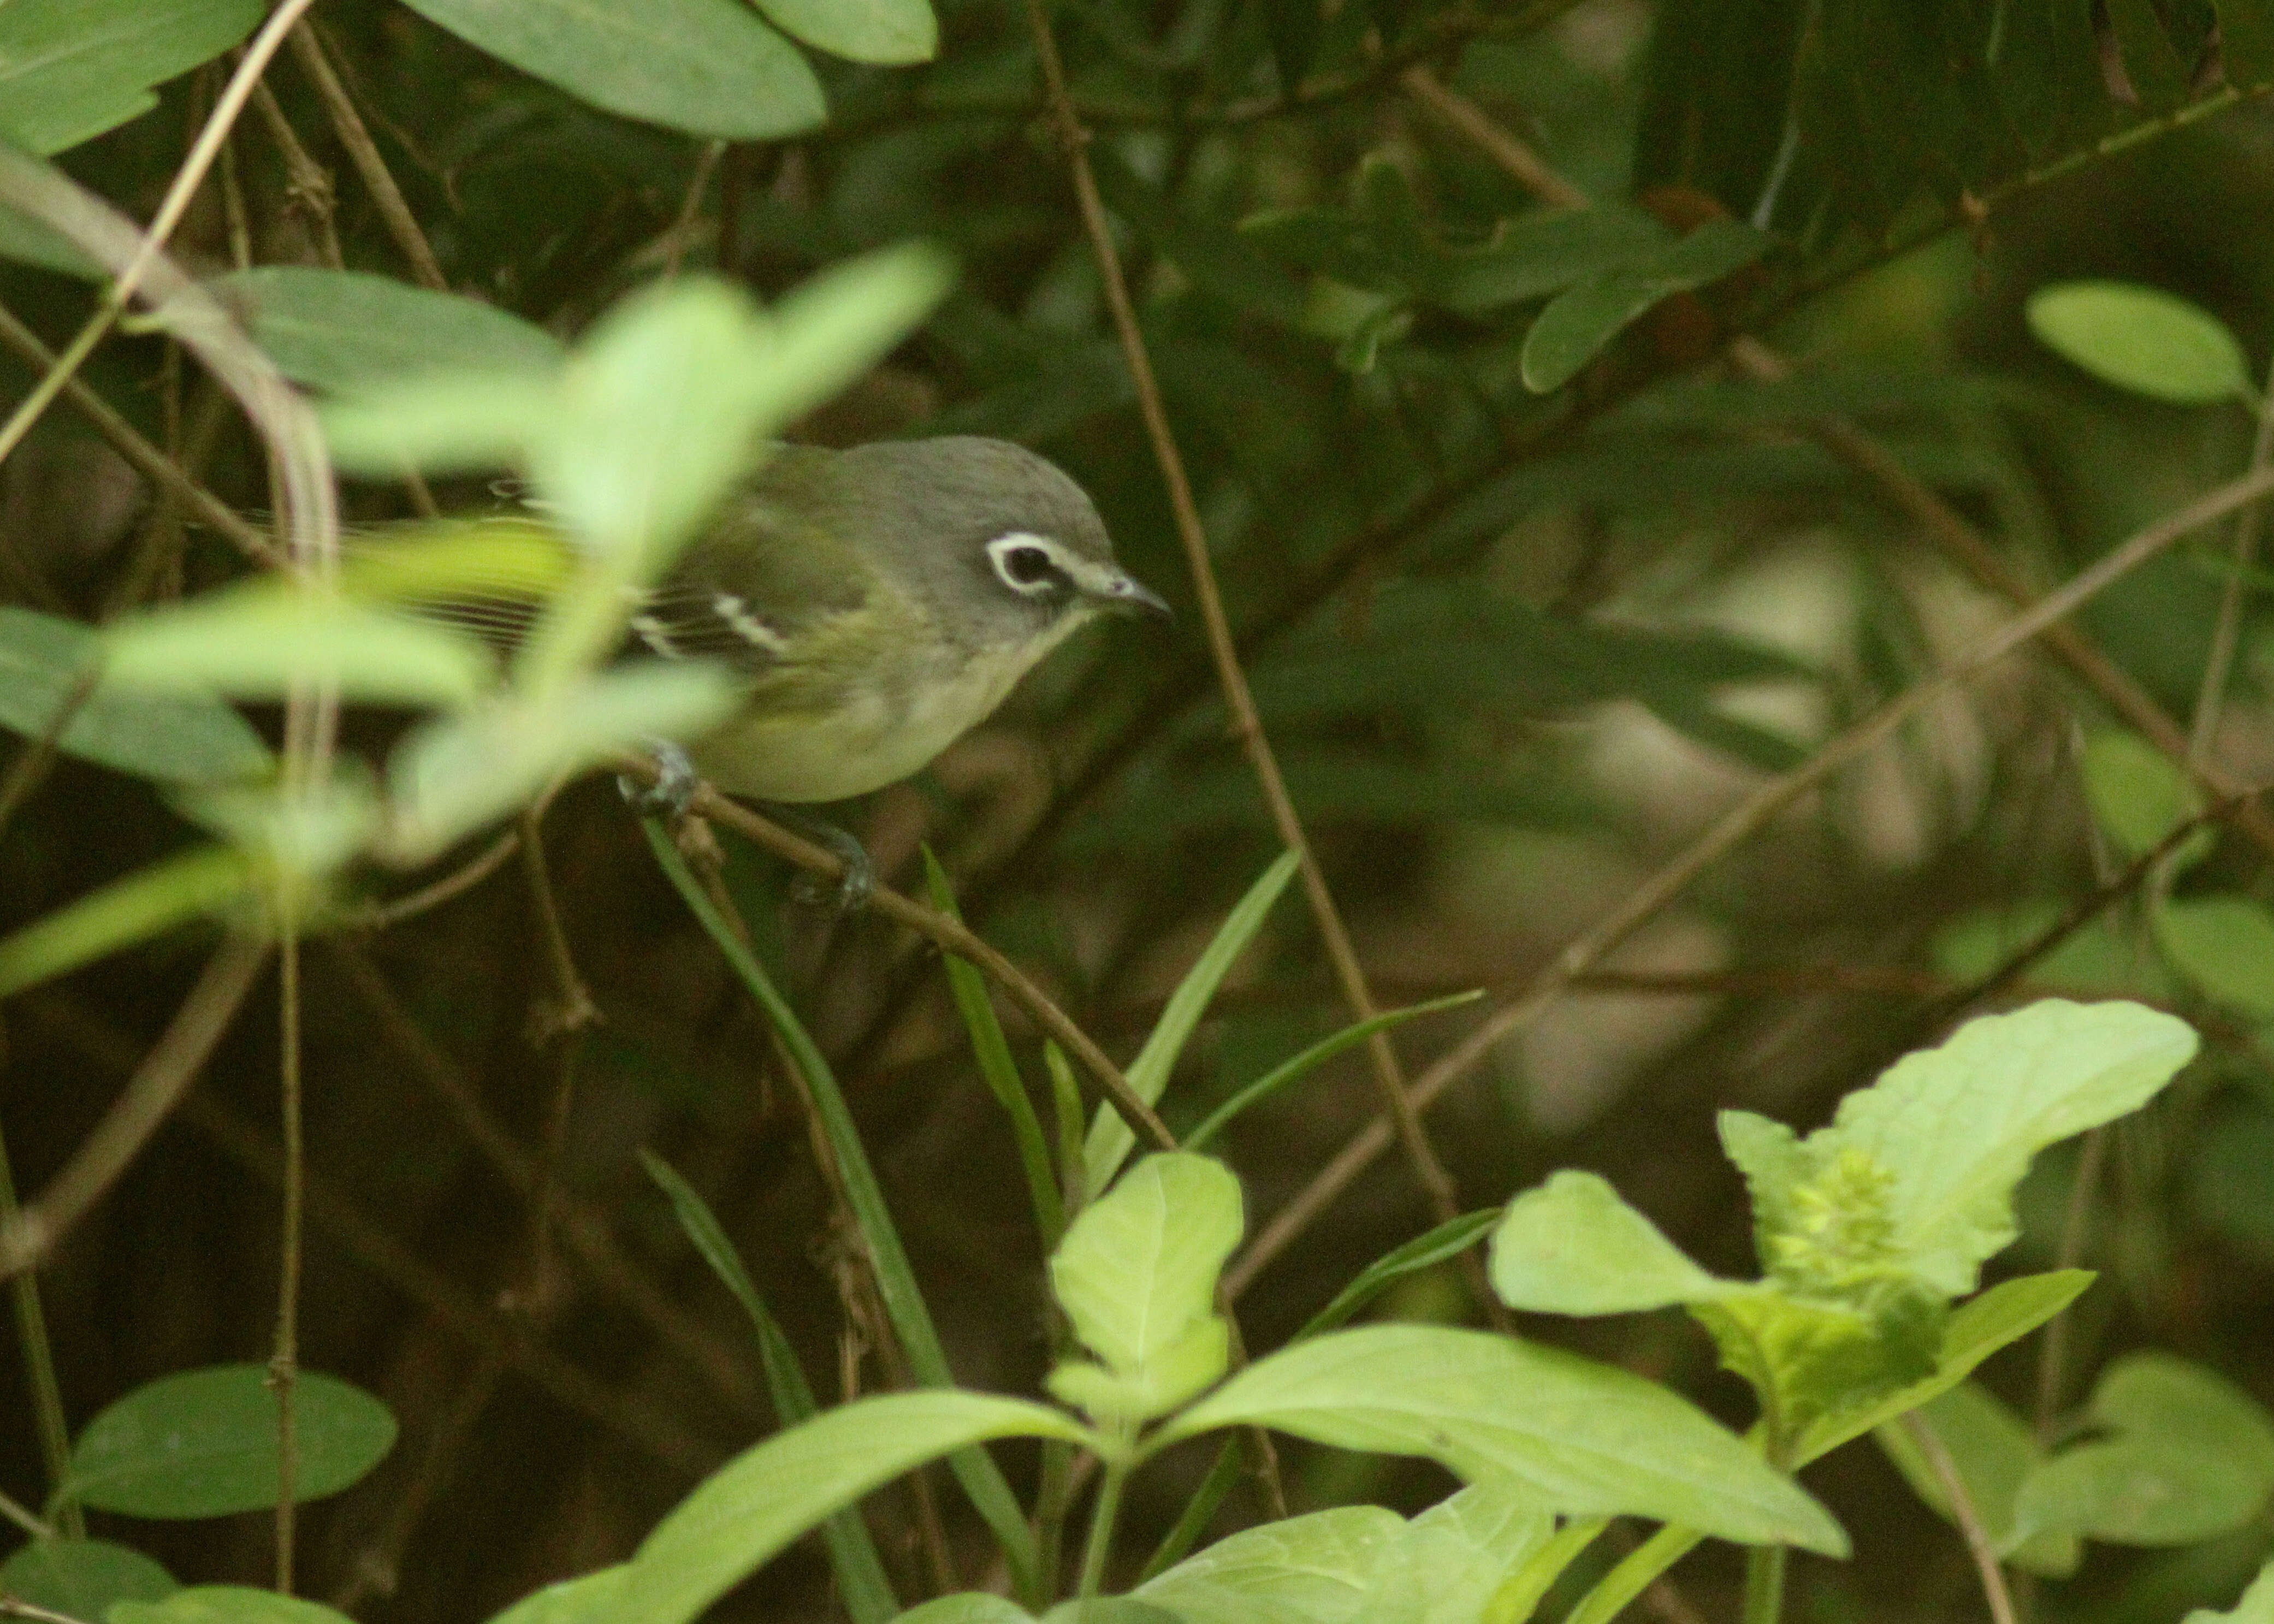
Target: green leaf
x,y
263,640
747,1510
80,1578
203,1444
2139,796
895,32
72,69
1572,1246
2255,1607
1921,1166
2224,947
1808,1357
2005,1314
1319,1053
172,738
224,1604
1110,1141
1136,1275
866,1590
1108,1610
587,1597
1993,1450
148,901
971,1607
2186,1456
1452,1560
709,67
341,330
458,422
1590,1439
2143,339
1545,252
1314,1569
1580,321
1448,1239
452,776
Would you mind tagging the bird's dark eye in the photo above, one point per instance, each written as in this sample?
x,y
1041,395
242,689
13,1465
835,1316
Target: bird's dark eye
x,y
1026,566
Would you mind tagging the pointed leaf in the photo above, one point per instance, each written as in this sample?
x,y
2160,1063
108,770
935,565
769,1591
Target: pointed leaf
x,y
1572,1246
343,329
1448,1239
895,32
2143,339
72,69
1579,322
1590,1439
709,67
144,904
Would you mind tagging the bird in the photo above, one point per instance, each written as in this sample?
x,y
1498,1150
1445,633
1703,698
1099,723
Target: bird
x,y
876,602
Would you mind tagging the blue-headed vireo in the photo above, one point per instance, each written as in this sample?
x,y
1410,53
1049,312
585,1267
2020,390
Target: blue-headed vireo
x,y
882,600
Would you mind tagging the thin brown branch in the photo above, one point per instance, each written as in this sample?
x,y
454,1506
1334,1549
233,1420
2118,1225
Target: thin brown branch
x,y
584,1235
1529,170
157,1085
1967,1514
1246,724
477,868
557,1026
146,459
284,1361
1726,834
950,935
308,188
347,124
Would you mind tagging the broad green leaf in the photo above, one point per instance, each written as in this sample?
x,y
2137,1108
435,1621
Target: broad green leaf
x,y
2255,1607
203,1444
2005,1314
1448,1239
224,1604
72,69
263,640
1301,1065
172,738
1993,1450
747,1510
709,67
1136,1275
1572,1246
453,423
80,1578
169,892
2143,339
866,1590
339,330
895,32
589,1599
1452,1560
2139,796
1544,253
1110,1141
1578,322
971,1607
1588,1439
1314,1569
2184,1456
1109,1610
451,775
2225,946
1917,1172
310,831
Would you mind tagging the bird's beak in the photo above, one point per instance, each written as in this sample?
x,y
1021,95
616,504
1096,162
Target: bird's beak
x,y
1122,594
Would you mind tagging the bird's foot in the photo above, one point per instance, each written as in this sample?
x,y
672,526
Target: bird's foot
x,y
850,891
673,787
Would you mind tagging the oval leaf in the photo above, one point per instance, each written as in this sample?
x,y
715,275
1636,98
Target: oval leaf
x,y
183,738
82,1578
203,1444
1573,1246
1578,322
2143,339
2226,946
1592,1439
72,69
709,67
342,329
881,31
225,1603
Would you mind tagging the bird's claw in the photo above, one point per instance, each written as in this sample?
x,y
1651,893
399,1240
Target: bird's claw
x,y
849,894
675,784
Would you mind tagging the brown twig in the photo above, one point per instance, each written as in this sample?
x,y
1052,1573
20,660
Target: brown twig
x,y
583,1235
284,1361
147,460
347,124
949,934
307,185
1529,170
1732,828
158,1083
1968,1517
380,916
1247,724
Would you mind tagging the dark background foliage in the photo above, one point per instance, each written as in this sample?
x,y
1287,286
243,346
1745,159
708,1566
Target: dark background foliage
x,y
1514,649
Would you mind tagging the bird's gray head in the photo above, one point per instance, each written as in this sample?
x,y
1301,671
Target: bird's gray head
x,y
989,527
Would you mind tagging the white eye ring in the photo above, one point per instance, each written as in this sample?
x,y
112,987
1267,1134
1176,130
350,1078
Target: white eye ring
x,y
1031,565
